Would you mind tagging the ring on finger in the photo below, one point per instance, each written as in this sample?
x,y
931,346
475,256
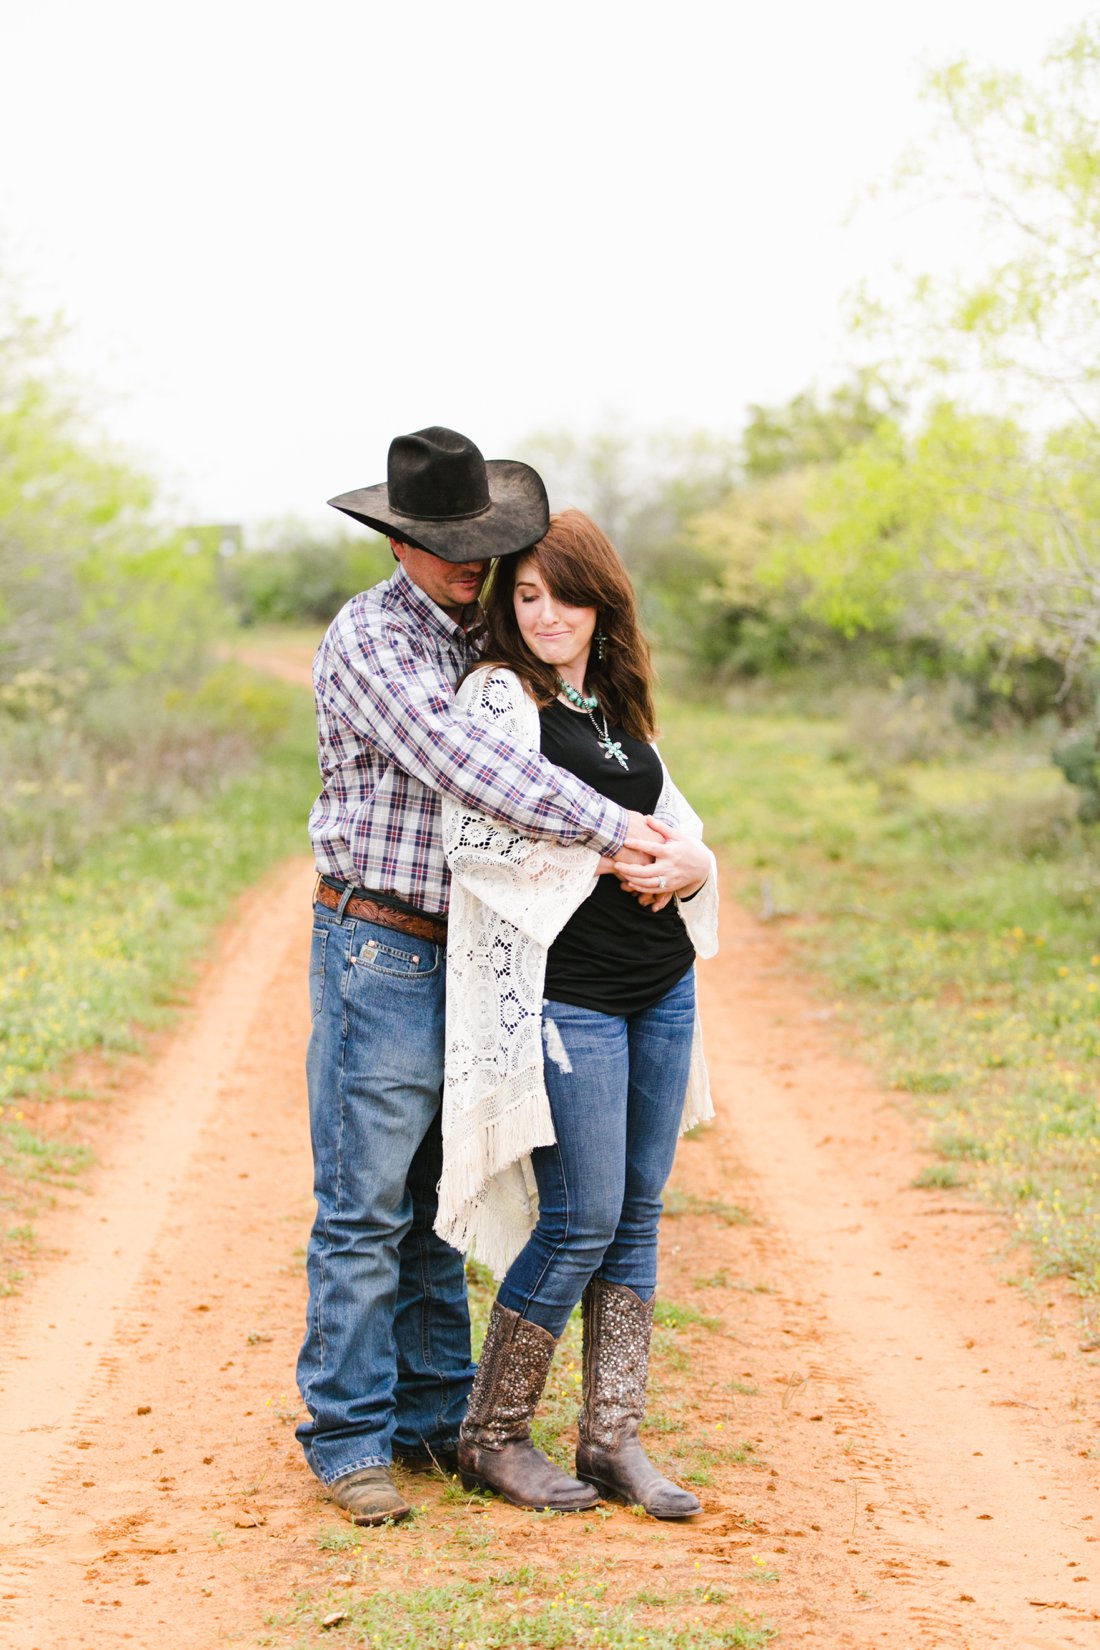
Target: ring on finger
x,y
662,882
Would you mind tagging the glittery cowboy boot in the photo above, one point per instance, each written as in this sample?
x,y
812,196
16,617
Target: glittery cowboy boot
x,y
617,1330
495,1451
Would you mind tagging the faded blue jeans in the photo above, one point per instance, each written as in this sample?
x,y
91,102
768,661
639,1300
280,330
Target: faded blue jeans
x,y
386,1359
616,1086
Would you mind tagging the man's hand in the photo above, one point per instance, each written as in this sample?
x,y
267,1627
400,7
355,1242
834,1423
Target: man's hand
x,y
634,849
641,837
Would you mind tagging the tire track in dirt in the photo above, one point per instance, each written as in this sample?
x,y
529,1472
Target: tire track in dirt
x,y
914,1436
79,1310
142,1379
957,1421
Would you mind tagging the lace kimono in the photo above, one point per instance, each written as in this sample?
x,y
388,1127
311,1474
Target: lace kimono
x,y
510,897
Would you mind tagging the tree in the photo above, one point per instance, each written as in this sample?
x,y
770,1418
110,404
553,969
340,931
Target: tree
x,y
985,525
108,702
747,613
88,574
1024,153
643,488
811,430
969,531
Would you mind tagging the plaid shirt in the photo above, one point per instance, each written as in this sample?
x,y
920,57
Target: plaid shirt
x,y
389,742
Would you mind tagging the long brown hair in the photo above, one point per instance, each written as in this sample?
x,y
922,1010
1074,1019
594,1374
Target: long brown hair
x,y
581,568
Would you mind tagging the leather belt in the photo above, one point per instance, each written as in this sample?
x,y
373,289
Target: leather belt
x,y
368,910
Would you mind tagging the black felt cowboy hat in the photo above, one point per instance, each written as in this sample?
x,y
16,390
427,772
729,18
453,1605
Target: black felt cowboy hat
x,y
441,495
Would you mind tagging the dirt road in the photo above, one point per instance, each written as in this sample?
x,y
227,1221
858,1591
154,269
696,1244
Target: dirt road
x,y
922,1468
915,1458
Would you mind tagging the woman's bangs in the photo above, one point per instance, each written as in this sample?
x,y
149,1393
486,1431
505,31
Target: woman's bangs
x,y
568,579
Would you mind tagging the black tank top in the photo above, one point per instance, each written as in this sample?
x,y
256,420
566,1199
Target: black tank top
x,y
613,955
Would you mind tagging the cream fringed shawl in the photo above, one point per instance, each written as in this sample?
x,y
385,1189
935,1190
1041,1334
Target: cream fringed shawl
x,y
511,895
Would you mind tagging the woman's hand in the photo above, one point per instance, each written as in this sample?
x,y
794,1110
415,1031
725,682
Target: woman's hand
x,y
676,864
630,856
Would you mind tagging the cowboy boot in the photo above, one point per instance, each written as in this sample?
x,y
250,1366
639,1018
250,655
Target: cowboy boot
x,y
369,1496
617,1330
495,1451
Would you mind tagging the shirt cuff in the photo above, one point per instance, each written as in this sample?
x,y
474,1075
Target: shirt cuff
x,y
611,829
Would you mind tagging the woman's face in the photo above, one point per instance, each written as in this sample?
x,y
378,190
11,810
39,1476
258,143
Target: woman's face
x,y
557,634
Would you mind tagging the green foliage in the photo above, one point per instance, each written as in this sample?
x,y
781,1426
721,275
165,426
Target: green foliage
x,y
26,1155
743,621
952,901
642,489
965,536
674,1315
86,570
1026,150
937,1177
113,708
81,968
807,431
300,578
967,527
961,531
1079,760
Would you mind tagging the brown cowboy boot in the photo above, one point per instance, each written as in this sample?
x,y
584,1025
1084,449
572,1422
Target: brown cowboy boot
x,y
495,1451
369,1496
617,1330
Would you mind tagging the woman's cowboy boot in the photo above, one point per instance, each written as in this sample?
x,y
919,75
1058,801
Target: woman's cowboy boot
x,y
617,1330
495,1451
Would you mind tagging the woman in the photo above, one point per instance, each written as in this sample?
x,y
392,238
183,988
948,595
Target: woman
x,y
573,1055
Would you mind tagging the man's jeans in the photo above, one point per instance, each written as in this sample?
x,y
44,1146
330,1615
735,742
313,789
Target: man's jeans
x,y
616,1087
386,1359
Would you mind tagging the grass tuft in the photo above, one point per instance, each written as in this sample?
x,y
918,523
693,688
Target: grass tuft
x,y
678,1203
530,1610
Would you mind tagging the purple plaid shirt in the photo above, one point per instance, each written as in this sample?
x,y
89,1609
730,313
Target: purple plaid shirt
x,y
389,742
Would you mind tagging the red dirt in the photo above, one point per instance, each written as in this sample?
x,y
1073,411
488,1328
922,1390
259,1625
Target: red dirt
x,y
923,1469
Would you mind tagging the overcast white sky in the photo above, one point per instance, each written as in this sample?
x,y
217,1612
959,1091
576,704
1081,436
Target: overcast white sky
x,y
284,233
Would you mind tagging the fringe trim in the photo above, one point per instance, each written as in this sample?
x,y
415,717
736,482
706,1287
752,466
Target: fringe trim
x,y
484,1203
698,1104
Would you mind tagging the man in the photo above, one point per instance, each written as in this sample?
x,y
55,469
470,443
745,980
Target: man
x,y
385,1368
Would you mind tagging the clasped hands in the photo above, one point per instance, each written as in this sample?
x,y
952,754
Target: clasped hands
x,y
656,862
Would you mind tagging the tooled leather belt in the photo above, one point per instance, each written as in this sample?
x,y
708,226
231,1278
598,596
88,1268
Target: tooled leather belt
x,y
422,926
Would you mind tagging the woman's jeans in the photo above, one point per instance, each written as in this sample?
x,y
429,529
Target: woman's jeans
x,y
616,1088
386,1359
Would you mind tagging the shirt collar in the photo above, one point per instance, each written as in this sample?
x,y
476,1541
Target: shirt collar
x,y
409,597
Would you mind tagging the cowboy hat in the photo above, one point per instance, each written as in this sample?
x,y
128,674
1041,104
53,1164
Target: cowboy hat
x,y
441,495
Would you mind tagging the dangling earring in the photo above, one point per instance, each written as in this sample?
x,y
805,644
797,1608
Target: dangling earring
x,y
601,642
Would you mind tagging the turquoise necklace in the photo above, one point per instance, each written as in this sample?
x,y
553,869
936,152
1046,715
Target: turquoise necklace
x,y
589,703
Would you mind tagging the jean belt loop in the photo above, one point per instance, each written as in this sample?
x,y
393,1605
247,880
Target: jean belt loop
x,y
344,897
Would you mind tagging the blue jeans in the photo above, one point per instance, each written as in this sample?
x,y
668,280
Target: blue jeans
x,y
386,1359
617,1114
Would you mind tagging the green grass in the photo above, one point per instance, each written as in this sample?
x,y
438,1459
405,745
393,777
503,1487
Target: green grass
x,y
671,1315
677,1203
92,957
340,1538
952,905
940,1177
89,957
531,1608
